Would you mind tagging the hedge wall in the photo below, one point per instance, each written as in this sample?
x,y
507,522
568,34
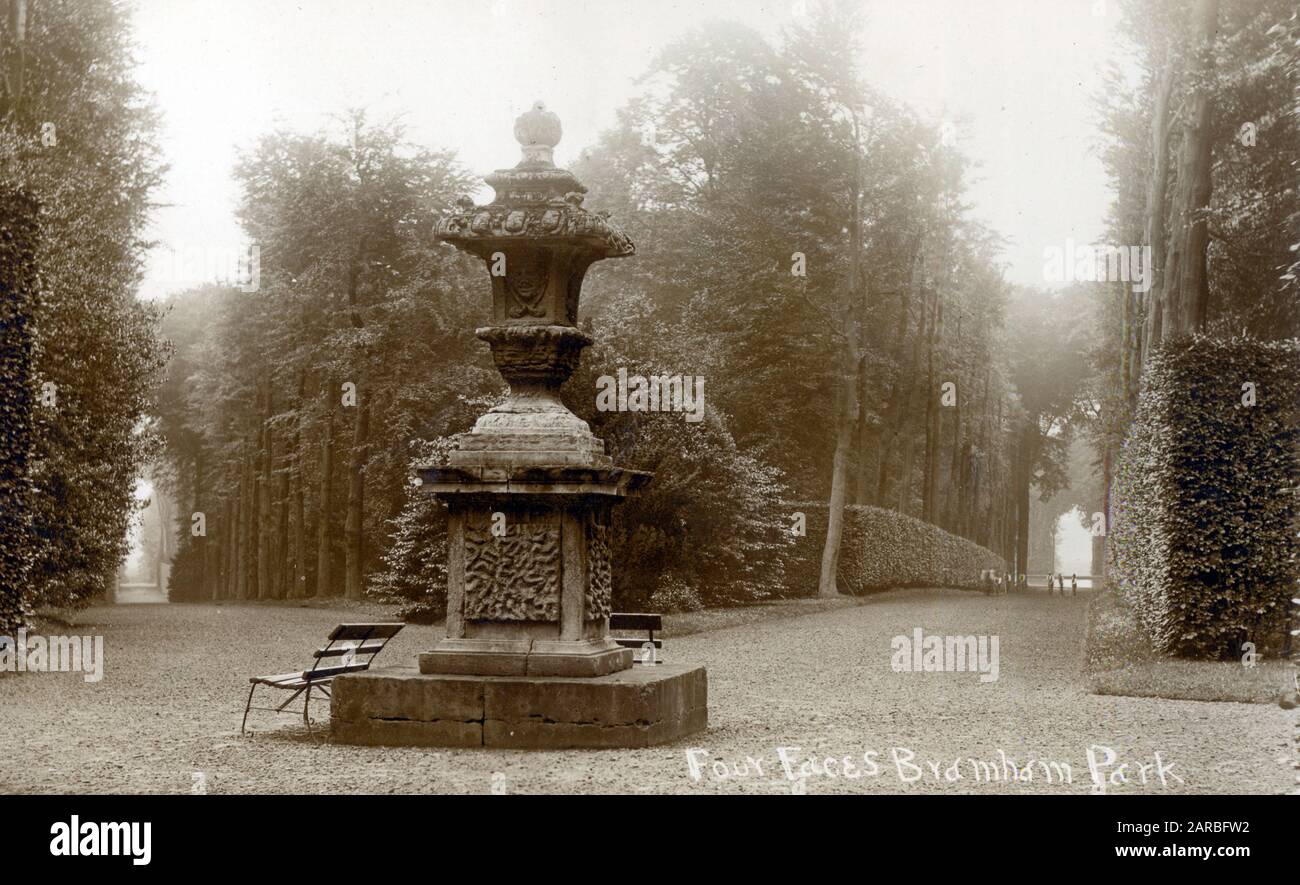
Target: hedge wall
x,y
881,549
18,238
1202,535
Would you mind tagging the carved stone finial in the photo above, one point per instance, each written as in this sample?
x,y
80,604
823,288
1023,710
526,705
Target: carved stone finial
x,y
538,131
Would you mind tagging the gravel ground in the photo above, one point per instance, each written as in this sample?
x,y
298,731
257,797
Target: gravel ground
x,y
166,715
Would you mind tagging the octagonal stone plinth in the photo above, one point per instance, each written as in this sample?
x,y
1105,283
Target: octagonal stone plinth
x,y
642,706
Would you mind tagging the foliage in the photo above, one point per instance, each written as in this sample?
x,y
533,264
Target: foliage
x,y
698,170
1048,362
1120,661
415,564
78,136
352,290
883,549
19,233
1254,210
1204,509
710,513
675,594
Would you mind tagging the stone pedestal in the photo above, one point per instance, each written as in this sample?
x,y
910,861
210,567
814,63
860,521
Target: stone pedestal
x,y
638,707
529,492
528,566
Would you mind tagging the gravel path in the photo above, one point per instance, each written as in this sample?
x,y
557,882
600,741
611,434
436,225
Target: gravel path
x,y
166,715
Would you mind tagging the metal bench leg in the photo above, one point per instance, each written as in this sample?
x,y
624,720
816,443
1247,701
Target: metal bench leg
x,y
305,718
252,688
292,698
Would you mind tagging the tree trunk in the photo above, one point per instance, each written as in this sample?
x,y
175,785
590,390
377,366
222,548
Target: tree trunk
x,y
846,412
297,588
211,569
15,73
1187,285
956,485
245,534
298,577
900,395
221,588
1154,237
232,550
904,505
205,543
861,486
325,537
976,467
354,525
1026,454
282,552
253,523
929,488
280,573
1108,477
164,516
265,590
353,532
985,535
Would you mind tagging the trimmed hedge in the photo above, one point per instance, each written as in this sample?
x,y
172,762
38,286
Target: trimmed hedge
x,y
1202,532
881,549
19,233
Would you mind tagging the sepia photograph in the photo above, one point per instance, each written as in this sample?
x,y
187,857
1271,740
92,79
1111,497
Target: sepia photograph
x,y
891,401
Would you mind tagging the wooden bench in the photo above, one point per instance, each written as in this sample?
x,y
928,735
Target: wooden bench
x,y
639,621
351,648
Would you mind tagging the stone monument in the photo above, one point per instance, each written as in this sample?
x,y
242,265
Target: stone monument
x,y
527,660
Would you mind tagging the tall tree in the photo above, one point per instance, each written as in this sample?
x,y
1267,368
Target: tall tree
x,y
1186,297
78,135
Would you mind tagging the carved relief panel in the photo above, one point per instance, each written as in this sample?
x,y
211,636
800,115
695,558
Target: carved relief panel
x,y
514,575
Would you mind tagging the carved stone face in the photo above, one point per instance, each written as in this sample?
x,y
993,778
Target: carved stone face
x,y
549,222
525,286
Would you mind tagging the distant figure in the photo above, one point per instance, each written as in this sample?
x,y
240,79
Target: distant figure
x,y
1061,578
1074,584
1050,581
1024,582
1006,586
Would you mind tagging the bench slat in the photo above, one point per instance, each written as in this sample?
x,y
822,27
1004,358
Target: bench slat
x,y
366,648
635,621
366,631
321,673
277,678
637,643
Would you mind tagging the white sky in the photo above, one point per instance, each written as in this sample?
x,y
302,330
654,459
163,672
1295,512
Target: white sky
x,y
1016,76
1073,545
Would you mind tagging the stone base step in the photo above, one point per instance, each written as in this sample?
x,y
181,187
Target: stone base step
x,y
638,707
